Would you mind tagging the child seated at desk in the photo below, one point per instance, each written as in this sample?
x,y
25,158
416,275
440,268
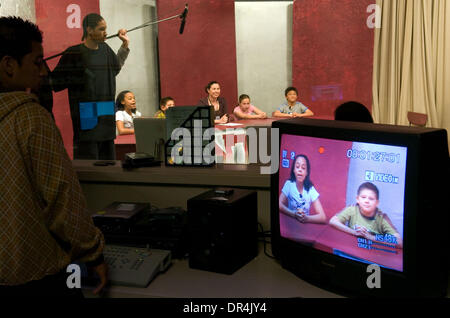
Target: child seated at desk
x,y
164,104
245,110
126,105
365,219
292,107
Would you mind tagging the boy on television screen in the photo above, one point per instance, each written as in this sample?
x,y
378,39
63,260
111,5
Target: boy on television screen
x,y
365,219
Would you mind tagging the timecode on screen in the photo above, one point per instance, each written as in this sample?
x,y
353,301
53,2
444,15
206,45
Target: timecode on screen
x,y
373,155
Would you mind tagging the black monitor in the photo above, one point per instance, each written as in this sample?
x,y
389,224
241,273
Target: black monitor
x,y
359,208
150,136
190,136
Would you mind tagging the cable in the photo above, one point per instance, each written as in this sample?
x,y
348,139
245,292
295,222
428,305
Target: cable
x,y
264,235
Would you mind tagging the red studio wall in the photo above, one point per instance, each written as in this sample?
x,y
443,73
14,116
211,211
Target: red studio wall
x,y
332,56
60,22
206,50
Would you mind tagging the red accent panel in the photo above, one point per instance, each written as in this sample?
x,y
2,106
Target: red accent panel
x,y
206,50
332,53
52,18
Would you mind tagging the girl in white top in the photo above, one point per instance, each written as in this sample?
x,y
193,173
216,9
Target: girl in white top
x,y
299,195
126,105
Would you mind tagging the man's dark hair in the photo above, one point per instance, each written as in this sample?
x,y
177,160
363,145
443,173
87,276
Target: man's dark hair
x,y
91,20
17,36
353,111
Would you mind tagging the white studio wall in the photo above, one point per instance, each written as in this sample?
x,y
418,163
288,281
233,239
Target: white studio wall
x,y
23,8
264,51
140,72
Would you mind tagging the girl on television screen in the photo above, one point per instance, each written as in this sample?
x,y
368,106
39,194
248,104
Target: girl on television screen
x,y
298,194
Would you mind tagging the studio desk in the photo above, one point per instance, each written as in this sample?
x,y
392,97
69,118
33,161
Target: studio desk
x,y
168,186
231,140
172,186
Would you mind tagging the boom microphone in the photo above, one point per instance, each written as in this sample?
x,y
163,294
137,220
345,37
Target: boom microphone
x,y
183,18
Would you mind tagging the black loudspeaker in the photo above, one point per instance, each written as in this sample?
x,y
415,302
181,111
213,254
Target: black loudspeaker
x,y
223,229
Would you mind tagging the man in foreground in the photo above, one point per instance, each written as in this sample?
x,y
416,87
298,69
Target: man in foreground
x,y
44,222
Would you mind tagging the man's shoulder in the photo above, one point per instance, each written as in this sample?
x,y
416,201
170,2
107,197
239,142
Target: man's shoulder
x,y
106,48
33,110
74,49
71,55
32,117
82,49
13,101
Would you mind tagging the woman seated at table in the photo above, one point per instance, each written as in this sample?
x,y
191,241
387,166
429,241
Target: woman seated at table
x,y
164,104
214,99
126,105
245,110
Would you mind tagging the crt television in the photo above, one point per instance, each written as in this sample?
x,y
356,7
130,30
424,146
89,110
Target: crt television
x,y
372,217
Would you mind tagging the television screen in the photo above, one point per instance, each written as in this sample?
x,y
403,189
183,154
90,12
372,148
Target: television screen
x,y
344,198
358,203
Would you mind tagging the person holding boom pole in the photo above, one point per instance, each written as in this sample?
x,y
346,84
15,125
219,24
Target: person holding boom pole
x,y
89,71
